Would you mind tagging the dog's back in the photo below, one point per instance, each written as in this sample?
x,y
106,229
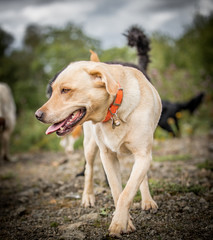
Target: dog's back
x,y
7,117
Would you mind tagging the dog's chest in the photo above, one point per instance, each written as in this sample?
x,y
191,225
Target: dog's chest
x,y
111,138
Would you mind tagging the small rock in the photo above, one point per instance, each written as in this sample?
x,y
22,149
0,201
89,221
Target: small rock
x,y
72,232
148,216
72,195
202,201
78,235
136,205
187,209
20,211
154,210
29,192
90,216
182,204
74,226
152,232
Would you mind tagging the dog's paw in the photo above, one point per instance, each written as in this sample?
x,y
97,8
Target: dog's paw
x,y
130,226
88,200
119,226
149,204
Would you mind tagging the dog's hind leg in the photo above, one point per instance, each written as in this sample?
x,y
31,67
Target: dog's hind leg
x,y
90,150
167,127
147,201
82,173
5,145
177,127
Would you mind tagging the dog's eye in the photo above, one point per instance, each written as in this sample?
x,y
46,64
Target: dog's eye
x,y
65,90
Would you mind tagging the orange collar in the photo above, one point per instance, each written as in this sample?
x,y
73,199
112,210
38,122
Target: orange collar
x,y
115,105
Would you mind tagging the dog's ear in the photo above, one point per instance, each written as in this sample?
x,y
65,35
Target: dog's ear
x,y
103,77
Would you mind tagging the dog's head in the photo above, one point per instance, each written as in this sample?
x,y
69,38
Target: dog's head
x,y
82,92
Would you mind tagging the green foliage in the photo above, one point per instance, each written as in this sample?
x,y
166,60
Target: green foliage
x,y
54,224
172,158
207,164
157,187
123,54
7,176
137,197
29,135
6,40
179,69
79,142
104,212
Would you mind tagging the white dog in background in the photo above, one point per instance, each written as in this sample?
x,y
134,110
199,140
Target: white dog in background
x,y
7,119
67,142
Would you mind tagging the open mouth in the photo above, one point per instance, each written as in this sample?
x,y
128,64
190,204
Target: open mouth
x,y
68,124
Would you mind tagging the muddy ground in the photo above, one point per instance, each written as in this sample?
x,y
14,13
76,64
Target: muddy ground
x,y
40,197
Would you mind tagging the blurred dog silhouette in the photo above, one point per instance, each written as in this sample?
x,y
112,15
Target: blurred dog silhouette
x,y
172,110
7,119
137,38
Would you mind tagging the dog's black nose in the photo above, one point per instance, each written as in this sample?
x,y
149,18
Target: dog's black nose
x,y
39,115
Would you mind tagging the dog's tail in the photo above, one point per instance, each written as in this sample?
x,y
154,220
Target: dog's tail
x,y
136,38
94,57
193,103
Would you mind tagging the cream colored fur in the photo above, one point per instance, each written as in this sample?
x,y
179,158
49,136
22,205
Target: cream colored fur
x,y
94,86
8,113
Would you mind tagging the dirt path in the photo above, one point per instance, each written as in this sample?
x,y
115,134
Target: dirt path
x,y
40,197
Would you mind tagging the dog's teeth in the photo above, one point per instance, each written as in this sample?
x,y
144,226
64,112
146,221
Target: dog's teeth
x,y
61,128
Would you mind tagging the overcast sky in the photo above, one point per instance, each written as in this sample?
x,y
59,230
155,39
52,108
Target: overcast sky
x,y
105,20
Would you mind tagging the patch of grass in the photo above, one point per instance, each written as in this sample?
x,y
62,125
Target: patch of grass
x,y
7,176
206,165
157,187
137,197
97,223
104,212
161,134
178,169
179,157
66,219
79,143
54,224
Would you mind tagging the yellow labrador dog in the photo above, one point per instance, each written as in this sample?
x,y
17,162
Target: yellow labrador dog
x,y
119,110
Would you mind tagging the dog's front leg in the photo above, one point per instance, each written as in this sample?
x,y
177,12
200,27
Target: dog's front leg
x,y
147,201
121,222
90,150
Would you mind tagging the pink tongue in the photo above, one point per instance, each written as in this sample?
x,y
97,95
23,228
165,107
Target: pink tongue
x,y
54,127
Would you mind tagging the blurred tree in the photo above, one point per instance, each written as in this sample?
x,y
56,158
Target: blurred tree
x,y
124,54
33,36
6,40
196,47
45,51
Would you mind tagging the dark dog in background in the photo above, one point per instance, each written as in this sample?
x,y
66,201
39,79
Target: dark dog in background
x,y
7,119
172,110
136,38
